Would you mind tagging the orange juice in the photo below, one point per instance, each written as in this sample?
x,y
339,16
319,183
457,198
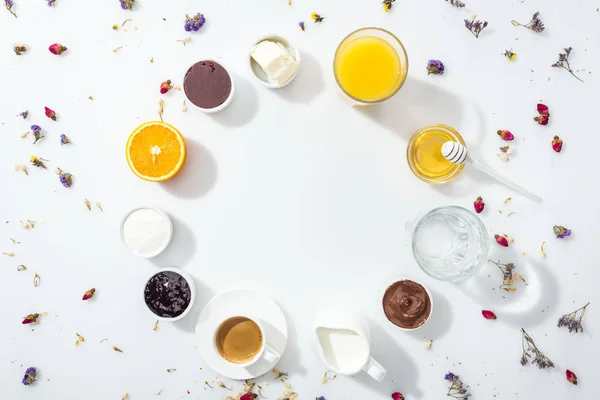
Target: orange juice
x,y
368,68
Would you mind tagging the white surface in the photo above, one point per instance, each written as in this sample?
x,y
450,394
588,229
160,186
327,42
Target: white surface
x,y
255,306
318,209
147,232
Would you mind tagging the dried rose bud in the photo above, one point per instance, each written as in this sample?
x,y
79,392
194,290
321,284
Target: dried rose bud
x,y
543,109
57,49
501,240
397,396
248,396
557,144
30,319
89,294
488,314
505,135
165,86
544,116
571,377
479,205
50,113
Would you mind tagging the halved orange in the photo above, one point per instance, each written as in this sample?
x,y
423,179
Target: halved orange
x,y
155,151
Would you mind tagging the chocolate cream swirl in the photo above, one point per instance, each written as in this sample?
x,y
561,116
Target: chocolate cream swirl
x,y
407,304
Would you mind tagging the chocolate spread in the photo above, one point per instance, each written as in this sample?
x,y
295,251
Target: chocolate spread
x,y
407,304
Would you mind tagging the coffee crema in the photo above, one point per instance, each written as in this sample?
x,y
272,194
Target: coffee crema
x,y
407,304
239,340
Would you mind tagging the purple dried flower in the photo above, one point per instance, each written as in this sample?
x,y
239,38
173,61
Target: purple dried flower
x,y
535,24
561,232
435,67
457,389
572,321
24,114
64,139
540,359
30,376
475,26
127,4
301,25
9,5
563,62
37,133
65,178
449,376
194,23
457,3
51,3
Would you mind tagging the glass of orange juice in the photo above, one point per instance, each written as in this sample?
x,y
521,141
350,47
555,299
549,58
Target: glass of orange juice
x,y
424,154
370,66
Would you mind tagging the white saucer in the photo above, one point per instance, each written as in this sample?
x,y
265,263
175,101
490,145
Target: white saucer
x,y
232,303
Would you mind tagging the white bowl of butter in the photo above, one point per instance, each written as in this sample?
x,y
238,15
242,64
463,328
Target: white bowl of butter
x,y
274,61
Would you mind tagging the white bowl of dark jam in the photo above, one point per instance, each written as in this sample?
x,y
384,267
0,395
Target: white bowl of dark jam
x,y
169,294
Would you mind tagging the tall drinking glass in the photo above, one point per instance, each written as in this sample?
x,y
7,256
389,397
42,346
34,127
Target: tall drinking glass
x,y
450,243
370,66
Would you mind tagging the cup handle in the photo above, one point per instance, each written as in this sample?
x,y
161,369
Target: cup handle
x,y
374,369
270,355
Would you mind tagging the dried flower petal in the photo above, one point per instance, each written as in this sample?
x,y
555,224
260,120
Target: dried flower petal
x,y
155,326
479,205
36,280
571,377
30,319
21,167
542,252
118,350
397,396
488,314
561,232
87,204
8,253
99,205
21,268
57,49
125,396
505,135
429,345
89,294
80,339
501,240
557,144
172,370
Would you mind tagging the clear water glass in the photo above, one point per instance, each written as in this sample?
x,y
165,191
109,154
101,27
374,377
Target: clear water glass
x,y
450,243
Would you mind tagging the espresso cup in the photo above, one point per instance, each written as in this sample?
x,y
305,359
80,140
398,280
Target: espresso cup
x,y
240,340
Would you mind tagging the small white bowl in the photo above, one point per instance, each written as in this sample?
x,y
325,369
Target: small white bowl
x,y
227,101
430,302
159,250
258,72
190,281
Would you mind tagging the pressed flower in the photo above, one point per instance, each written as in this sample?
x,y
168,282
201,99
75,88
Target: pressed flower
x,y
479,205
435,67
544,116
488,314
397,396
573,319
9,5
30,376
37,162
571,377
65,178
563,62
535,24
557,144
64,139
57,49
457,3
475,26
561,232
529,349
24,114
50,113
37,133
509,276
19,49
301,25
194,23
127,4
165,86
316,17
387,5
89,294
30,319
505,135
511,55
501,240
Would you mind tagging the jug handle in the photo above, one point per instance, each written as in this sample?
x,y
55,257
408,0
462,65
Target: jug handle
x,y
374,369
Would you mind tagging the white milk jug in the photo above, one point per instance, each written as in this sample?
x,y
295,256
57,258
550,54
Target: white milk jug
x,y
344,343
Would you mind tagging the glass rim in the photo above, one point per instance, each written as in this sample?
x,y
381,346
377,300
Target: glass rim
x,y
401,82
448,129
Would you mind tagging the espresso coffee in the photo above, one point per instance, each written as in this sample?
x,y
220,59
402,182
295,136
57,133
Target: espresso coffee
x,y
239,340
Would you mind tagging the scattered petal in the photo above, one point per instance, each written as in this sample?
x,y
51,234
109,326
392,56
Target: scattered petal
x,y
155,326
87,204
8,253
429,345
21,268
125,396
488,314
21,167
542,252
171,370
506,200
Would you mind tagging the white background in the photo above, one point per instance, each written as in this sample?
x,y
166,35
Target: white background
x,y
295,194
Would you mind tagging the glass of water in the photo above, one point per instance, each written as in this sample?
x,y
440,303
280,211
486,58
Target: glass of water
x,y
450,243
